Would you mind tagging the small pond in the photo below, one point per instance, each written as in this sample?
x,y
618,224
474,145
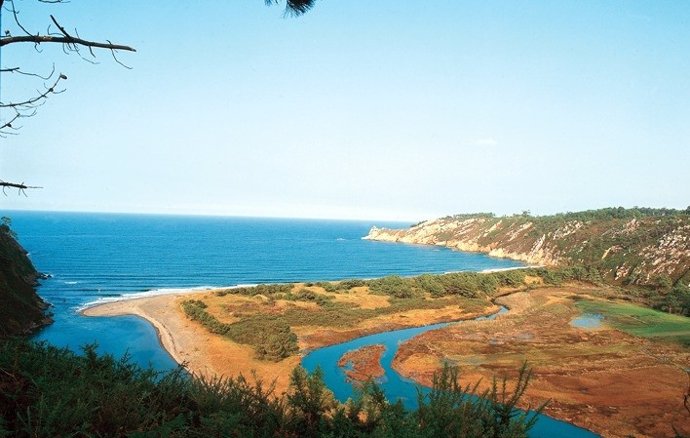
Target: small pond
x,y
587,321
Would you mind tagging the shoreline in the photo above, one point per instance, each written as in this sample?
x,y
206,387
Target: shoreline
x,y
389,235
156,293
133,306
191,345
174,291
164,335
202,353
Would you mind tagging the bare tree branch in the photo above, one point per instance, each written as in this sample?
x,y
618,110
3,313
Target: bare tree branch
x,y
39,39
63,37
21,187
18,70
8,124
70,42
36,100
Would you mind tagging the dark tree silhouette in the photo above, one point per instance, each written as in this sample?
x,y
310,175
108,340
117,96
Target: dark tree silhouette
x,y
296,7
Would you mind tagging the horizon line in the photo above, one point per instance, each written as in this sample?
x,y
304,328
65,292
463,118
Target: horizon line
x,y
210,215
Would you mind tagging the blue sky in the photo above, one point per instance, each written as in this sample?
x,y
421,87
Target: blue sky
x,y
379,110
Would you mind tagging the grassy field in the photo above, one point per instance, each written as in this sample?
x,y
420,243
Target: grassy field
x,y
640,321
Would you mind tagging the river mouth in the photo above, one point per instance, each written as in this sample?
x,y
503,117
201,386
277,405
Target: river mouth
x,y
397,387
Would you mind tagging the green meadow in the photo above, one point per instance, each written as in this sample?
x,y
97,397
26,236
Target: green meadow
x,y
640,321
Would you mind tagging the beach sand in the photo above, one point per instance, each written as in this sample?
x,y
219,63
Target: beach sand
x,y
189,343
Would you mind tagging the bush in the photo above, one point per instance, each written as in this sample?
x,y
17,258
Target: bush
x,y
340,286
392,285
261,289
53,392
271,339
675,301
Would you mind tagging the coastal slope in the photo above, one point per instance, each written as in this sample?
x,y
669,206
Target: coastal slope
x,y
21,309
648,247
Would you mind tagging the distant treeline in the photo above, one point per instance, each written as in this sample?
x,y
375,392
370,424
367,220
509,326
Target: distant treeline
x,y
587,215
50,392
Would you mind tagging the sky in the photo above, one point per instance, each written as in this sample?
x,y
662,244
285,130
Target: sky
x,y
391,110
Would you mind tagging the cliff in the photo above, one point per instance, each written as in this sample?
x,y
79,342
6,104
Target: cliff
x,y
638,246
21,309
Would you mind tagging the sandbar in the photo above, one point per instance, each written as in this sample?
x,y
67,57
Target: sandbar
x,y
189,343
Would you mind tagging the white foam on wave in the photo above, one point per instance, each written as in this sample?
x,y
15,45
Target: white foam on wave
x,y
488,271
71,282
158,292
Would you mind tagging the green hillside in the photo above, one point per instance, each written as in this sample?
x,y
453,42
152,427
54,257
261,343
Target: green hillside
x,y
21,309
641,246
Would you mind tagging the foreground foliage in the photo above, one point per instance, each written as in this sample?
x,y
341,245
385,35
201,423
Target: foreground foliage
x,y
45,391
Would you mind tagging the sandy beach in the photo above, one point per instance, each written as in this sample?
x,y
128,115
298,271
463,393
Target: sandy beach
x,y
201,352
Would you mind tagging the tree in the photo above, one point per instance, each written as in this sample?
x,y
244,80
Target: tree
x,y
51,83
296,7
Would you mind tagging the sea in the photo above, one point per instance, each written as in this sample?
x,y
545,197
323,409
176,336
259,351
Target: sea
x,y
94,257
91,257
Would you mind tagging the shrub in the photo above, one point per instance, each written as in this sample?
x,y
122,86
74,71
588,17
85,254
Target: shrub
x,y
53,392
392,285
271,339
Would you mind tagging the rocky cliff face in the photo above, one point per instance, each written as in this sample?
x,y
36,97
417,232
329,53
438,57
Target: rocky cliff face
x,y
626,249
21,309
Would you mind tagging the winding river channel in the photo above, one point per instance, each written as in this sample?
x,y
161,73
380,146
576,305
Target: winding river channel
x,y
397,387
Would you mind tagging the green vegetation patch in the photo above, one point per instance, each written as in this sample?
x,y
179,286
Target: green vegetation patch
x,y
463,284
640,321
270,333
271,338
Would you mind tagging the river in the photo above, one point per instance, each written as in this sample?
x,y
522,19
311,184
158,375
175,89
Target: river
x,y
397,387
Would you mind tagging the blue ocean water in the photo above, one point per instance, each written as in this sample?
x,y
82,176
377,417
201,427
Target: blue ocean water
x,y
93,256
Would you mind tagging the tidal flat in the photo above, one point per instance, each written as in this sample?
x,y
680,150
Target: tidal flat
x,y
600,378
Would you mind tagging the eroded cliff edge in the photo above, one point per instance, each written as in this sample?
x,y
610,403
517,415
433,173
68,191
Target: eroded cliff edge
x,y
630,246
21,309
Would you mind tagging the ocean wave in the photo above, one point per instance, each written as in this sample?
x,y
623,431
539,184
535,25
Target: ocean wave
x,y
71,282
156,292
